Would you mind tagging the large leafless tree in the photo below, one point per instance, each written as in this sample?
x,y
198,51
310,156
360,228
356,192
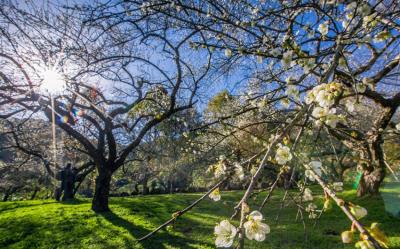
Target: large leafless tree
x,y
121,81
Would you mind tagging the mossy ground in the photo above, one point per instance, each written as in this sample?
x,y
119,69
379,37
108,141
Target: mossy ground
x,y
48,224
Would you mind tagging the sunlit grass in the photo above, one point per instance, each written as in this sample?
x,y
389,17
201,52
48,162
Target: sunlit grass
x,y
48,224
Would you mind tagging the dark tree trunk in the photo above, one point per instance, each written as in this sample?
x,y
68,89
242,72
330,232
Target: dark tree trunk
x,y
6,196
9,192
145,187
33,196
171,187
137,188
102,191
76,188
370,182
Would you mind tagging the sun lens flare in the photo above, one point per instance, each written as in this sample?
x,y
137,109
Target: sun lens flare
x,y
53,81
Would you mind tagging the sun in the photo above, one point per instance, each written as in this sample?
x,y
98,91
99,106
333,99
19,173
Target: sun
x,y
53,81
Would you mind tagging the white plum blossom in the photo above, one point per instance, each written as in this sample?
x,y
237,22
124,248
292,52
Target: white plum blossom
x,y
283,154
285,102
325,99
228,52
326,115
254,228
215,195
292,91
351,6
311,209
307,195
287,59
361,87
218,169
310,175
290,80
309,97
365,10
349,16
145,7
239,171
338,186
370,21
316,167
225,233
350,105
323,28
312,215
319,112
331,119
275,52
309,65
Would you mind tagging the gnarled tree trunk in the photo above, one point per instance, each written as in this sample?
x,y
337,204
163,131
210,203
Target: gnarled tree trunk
x,y
102,191
374,170
370,182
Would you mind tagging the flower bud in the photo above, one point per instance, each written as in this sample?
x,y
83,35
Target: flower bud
x,y
358,211
347,236
328,205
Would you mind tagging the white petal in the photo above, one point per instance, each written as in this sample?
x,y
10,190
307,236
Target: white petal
x,y
256,215
259,236
264,228
222,241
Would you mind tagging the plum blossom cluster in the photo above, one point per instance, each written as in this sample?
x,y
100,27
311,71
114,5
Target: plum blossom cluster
x,y
254,228
223,168
324,96
308,195
353,10
312,211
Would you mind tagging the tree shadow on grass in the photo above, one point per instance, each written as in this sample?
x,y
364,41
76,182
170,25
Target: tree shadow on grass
x,y
74,202
16,205
159,240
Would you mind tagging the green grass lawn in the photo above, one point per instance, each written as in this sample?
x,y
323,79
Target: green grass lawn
x,y
48,224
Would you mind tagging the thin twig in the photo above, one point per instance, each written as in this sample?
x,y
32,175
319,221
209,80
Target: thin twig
x,y
180,213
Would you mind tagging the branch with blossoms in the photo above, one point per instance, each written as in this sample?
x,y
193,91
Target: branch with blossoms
x,y
353,213
177,214
213,193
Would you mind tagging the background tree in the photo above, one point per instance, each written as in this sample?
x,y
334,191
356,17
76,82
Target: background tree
x,y
119,83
